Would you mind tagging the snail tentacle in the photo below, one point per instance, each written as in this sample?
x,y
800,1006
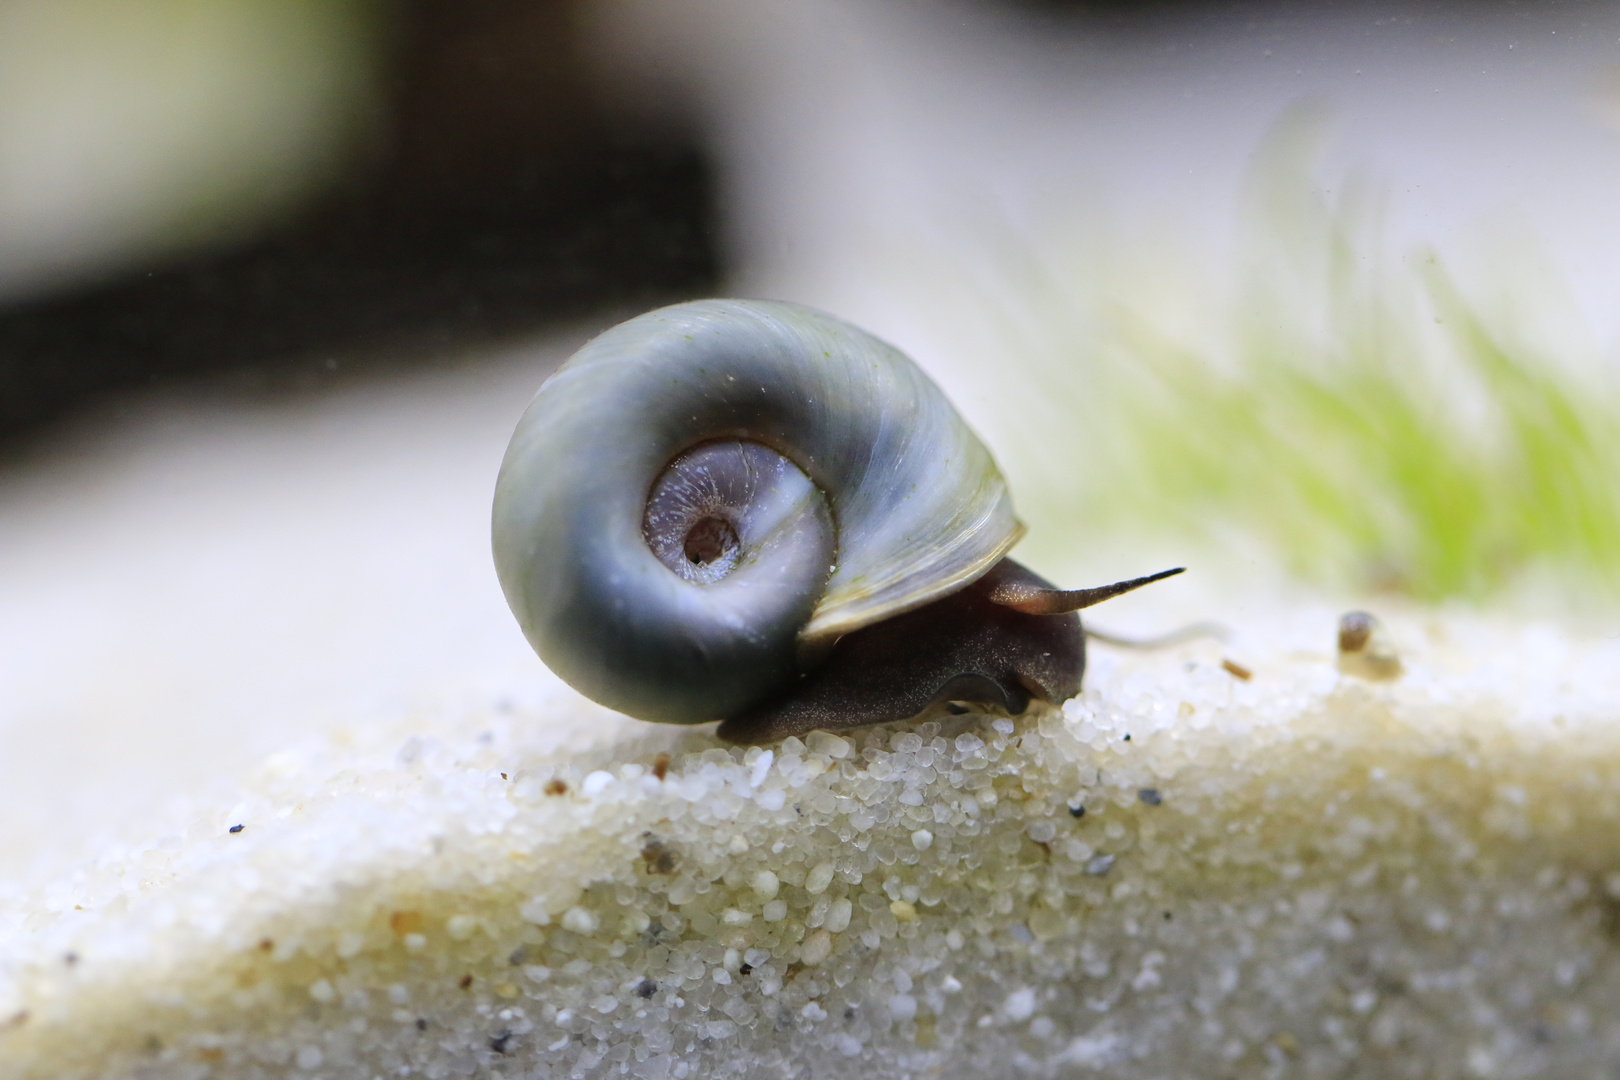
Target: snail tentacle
x,y
1178,636
1035,597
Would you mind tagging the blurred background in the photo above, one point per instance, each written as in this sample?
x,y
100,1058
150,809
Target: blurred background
x,y
1325,295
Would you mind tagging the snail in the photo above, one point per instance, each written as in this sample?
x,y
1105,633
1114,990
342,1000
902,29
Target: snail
x,y
753,512
1366,649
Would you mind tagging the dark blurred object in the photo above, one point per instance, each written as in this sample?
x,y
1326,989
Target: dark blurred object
x,y
1262,14
502,198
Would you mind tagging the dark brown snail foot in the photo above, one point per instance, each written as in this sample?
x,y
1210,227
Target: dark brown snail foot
x,y
1005,640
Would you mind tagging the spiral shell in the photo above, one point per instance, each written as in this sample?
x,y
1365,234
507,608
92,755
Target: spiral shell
x,y
703,499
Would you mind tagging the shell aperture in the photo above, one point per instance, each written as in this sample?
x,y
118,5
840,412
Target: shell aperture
x,y
661,433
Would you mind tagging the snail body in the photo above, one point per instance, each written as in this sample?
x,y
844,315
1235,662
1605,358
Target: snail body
x,y
707,508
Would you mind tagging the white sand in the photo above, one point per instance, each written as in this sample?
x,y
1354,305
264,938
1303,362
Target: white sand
x,y
1300,874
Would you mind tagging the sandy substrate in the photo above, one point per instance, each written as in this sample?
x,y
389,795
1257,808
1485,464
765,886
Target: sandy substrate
x,y
1180,873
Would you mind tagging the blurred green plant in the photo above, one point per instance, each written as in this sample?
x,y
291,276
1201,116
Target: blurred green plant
x,y
1365,421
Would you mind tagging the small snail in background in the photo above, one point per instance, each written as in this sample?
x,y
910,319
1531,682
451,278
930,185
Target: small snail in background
x,y
753,512
1366,649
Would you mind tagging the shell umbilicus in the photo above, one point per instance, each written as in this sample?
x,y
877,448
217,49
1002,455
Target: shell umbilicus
x,y
753,512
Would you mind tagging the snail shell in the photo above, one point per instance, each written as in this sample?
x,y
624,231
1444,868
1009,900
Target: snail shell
x,y
704,499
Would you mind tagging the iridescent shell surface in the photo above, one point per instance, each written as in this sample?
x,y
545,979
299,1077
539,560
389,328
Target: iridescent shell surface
x,y
903,504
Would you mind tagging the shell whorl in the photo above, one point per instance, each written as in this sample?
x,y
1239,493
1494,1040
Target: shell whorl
x,y
914,508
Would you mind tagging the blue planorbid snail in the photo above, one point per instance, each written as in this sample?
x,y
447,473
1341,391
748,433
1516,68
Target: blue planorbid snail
x,y
753,512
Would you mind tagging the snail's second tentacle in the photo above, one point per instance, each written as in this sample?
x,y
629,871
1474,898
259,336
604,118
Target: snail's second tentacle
x,y
1178,636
